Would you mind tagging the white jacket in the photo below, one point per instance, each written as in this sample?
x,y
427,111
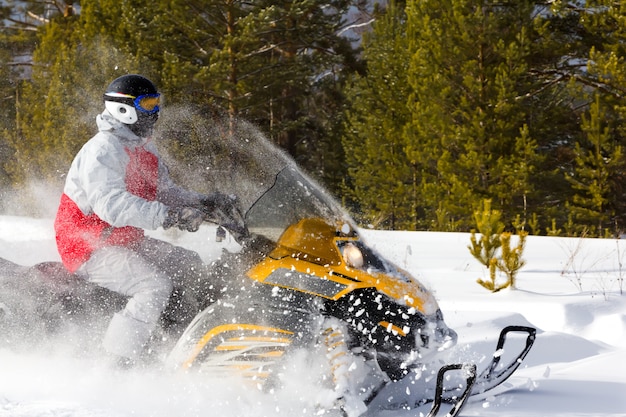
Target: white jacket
x,y
96,181
116,186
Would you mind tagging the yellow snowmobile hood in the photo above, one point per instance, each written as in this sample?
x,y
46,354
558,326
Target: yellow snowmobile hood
x,y
330,261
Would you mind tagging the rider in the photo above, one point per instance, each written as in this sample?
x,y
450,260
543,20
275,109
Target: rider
x,y
116,187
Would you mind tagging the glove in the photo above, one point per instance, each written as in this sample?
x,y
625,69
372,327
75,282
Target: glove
x,y
185,218
223,210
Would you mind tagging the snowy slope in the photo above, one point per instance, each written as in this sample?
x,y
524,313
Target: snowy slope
x,y
569,290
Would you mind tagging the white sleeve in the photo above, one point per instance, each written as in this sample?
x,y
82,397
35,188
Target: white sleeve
x,y
100,169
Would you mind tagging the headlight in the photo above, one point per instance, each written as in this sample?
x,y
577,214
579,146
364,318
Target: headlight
x,y
352,256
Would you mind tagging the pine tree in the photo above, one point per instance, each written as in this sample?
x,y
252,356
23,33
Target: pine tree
x,y
8,97
266,62
591,34
469,75
607,75
39,125
17,41
382,180
597,162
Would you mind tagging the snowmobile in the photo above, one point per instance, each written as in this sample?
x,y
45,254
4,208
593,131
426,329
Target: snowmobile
x,y
302,281
309,282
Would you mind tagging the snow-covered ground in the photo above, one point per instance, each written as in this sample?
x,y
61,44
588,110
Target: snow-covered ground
x,y
570,290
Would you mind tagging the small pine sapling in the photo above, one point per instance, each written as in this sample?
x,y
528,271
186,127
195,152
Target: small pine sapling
x,y
484,249
492,239
511,260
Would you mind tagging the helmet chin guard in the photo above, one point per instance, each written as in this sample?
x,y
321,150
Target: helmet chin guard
x,y
122,112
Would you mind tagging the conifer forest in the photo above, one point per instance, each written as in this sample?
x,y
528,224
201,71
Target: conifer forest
x,y
414,114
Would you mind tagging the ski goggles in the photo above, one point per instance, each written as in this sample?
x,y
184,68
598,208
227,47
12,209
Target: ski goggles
x,y
147,103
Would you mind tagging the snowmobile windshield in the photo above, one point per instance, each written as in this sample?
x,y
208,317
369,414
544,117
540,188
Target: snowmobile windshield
x,y
291,198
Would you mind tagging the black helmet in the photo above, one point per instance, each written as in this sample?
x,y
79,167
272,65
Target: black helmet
x,y
133,100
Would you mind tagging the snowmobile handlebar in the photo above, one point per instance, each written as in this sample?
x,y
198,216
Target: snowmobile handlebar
x,y
223,210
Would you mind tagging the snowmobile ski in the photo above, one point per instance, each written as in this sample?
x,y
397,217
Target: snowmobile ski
x,y
458,401
491,377
475,385
457,384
